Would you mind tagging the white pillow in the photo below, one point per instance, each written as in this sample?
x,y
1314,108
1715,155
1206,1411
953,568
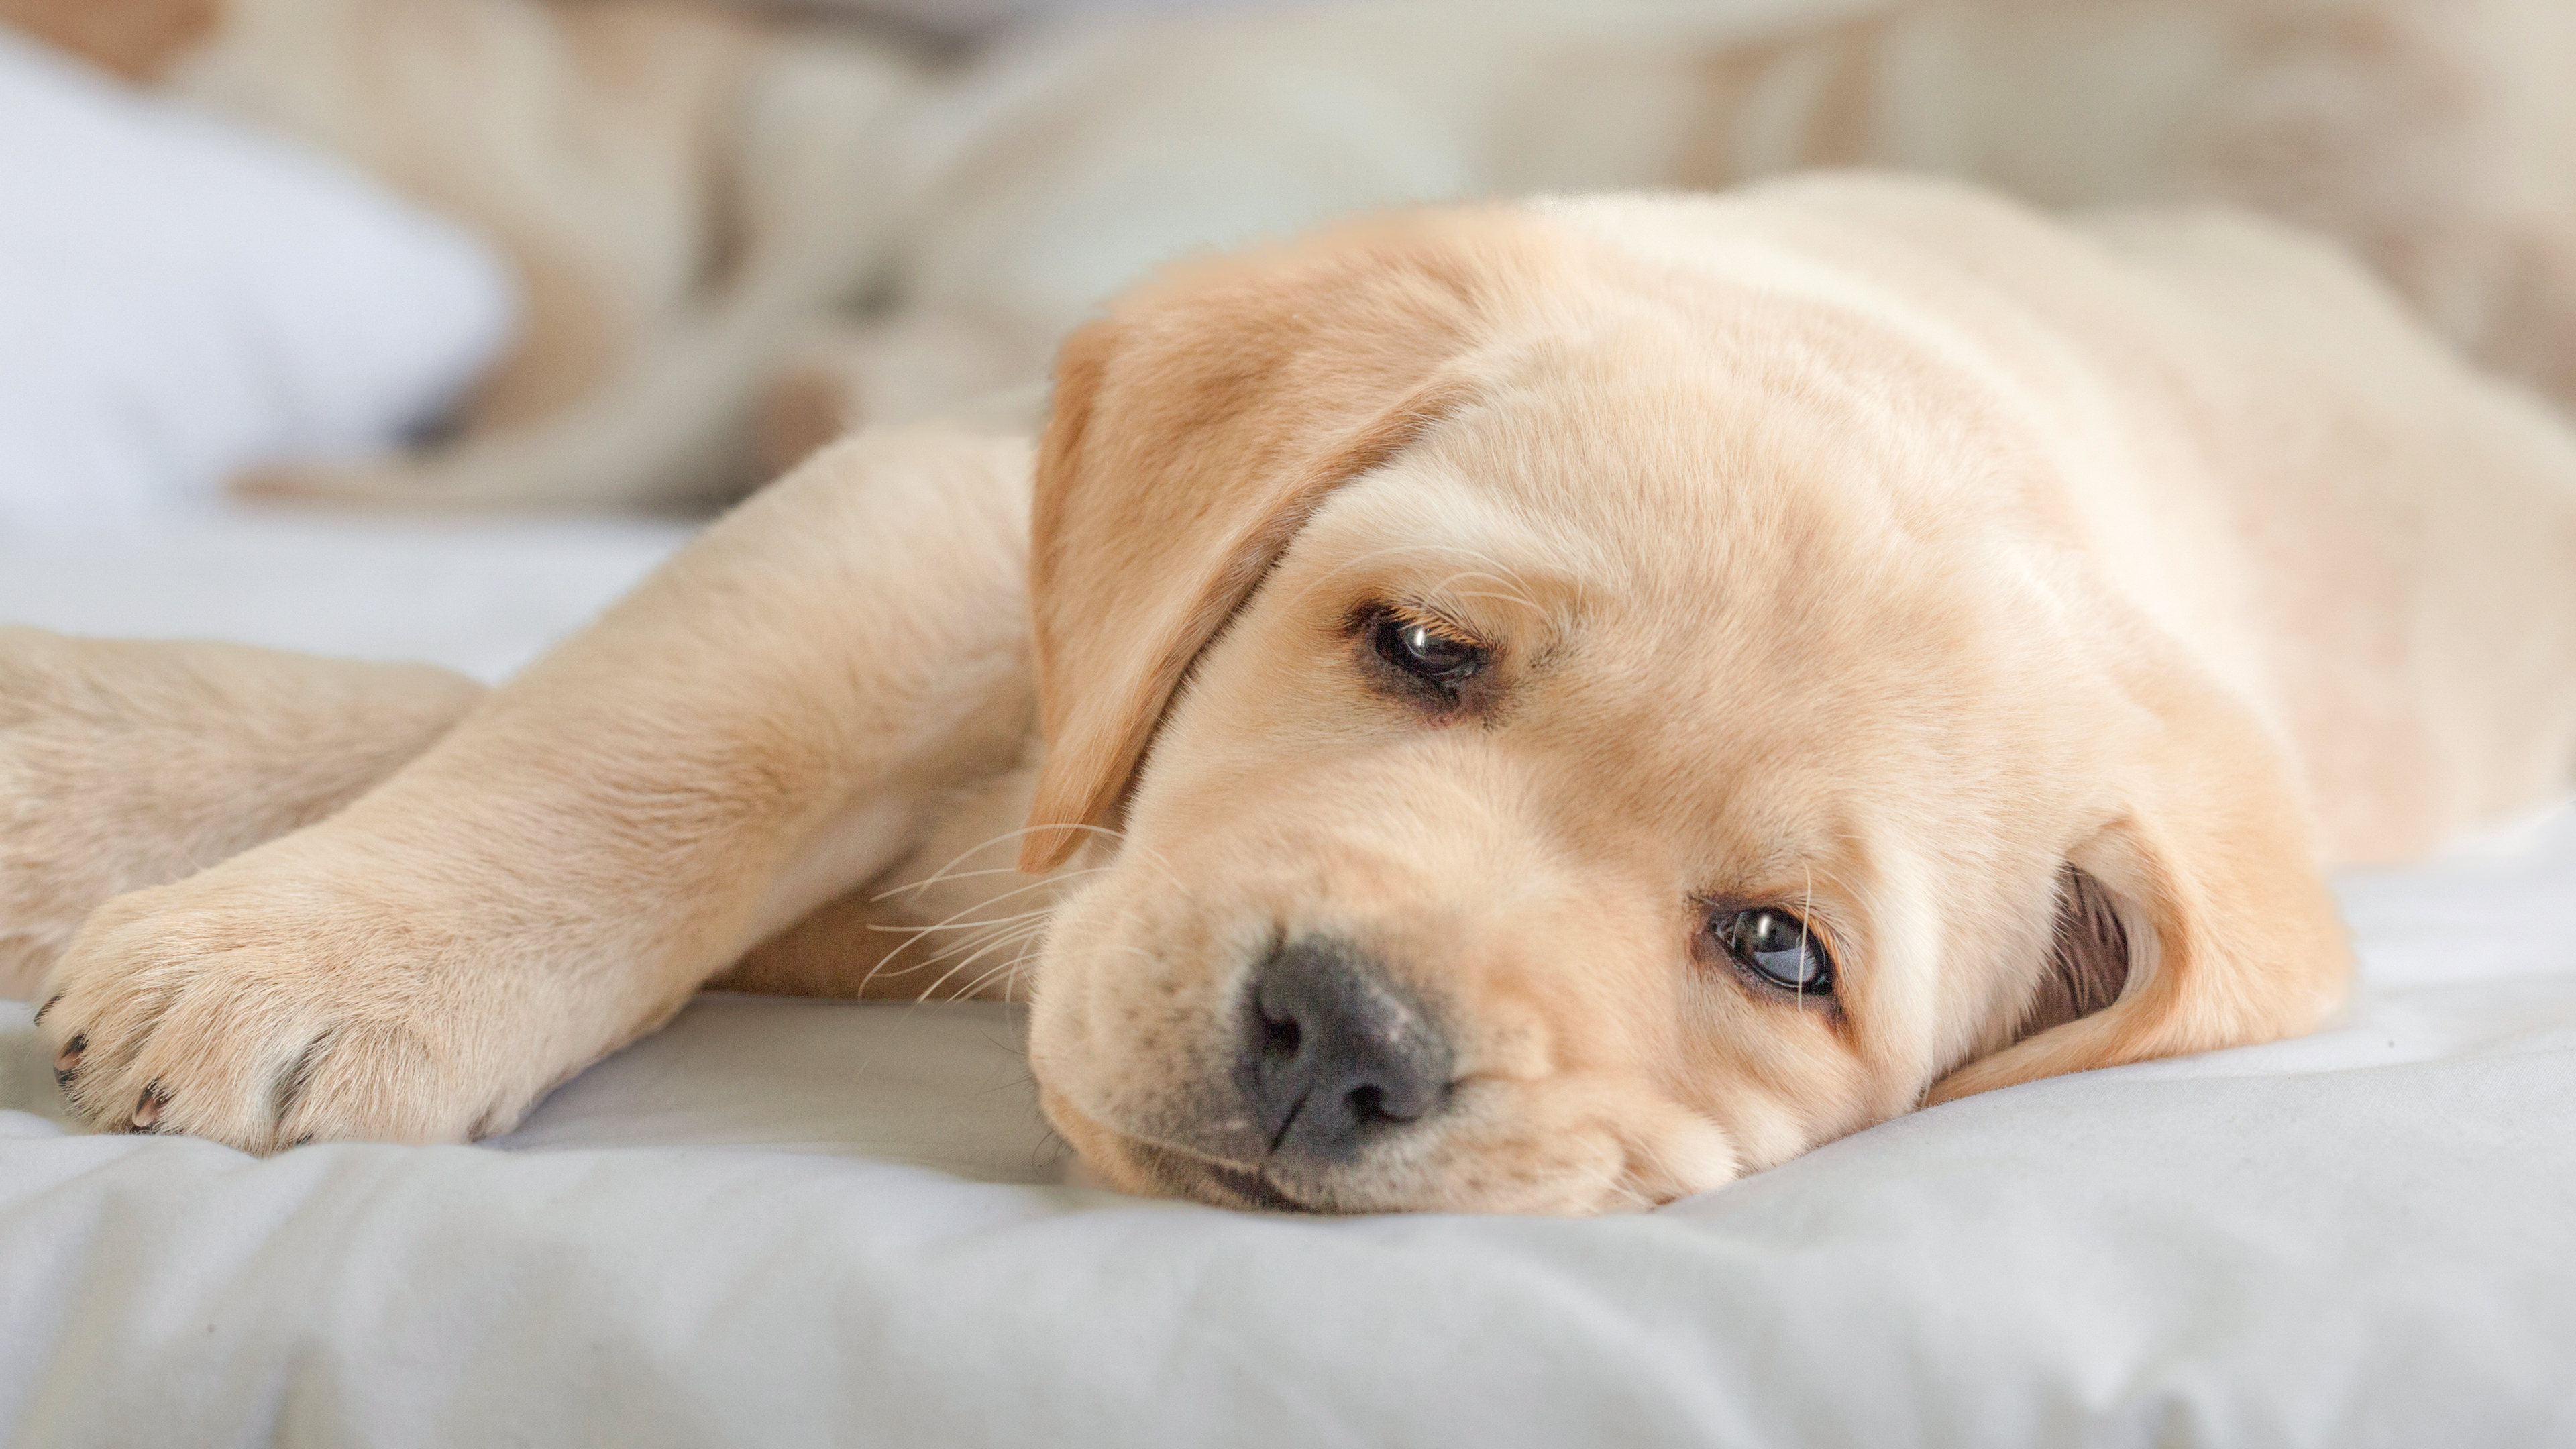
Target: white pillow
x,y
181,298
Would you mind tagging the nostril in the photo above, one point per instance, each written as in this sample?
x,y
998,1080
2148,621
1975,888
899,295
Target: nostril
x,y
1395,1100
1335,1051
1281,1039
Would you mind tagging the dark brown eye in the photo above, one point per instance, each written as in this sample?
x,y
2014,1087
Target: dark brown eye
x,y
1777,947
1435,658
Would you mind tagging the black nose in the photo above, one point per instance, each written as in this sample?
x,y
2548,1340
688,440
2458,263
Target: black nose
x,y
1337,1053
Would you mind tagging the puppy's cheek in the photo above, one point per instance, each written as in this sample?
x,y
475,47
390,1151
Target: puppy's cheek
x,y
1060,999
1131,1017
1104,1152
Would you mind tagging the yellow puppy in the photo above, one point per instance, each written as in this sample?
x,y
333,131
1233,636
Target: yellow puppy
x,y
1545,707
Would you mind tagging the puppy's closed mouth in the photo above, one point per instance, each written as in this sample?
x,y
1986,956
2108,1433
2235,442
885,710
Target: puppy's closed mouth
x,y
1191,1176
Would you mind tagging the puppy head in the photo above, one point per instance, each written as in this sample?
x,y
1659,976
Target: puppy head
x,y
1549,733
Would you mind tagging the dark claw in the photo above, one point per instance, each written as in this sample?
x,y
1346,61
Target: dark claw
x,y
69,1061
48,1006
147,1108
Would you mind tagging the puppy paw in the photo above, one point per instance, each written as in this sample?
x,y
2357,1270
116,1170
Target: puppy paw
x,y
278,1000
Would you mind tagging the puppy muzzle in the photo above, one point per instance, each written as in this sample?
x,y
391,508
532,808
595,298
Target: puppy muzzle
x,y
1336,1065
1336,1056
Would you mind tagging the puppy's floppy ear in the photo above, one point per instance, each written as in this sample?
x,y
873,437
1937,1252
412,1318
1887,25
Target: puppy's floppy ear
x,y
1194,429
2088,956
2198,918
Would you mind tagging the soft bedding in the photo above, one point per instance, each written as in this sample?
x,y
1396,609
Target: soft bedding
x,y
785,1222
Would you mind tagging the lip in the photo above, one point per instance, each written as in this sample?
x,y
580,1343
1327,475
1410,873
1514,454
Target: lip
x,y
1197,1177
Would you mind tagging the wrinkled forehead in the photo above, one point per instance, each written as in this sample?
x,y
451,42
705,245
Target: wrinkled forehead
x,y
1685,484
1817,577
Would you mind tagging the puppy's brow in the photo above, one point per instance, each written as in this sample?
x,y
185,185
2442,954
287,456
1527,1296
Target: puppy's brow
x,y
1513,588
1368,615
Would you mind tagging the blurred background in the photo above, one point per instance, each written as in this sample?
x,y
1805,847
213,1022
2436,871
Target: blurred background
x,y
468,255
421,326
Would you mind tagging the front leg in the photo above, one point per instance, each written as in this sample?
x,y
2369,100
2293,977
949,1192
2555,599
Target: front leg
x,y
768,721
126,764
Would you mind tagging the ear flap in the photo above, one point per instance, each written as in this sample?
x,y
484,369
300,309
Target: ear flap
x,y
1192,432
2088,957
2198,920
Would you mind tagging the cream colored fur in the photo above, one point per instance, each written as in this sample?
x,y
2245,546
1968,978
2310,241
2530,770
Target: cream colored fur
x,y
1874,550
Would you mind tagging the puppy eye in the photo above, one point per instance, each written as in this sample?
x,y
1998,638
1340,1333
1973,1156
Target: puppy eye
x,y
1777,947
1425,653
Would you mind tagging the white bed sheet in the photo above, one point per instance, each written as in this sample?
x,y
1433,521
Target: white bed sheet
x,y
784,1223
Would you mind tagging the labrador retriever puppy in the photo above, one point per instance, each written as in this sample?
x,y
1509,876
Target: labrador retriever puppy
x,y
1539,707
